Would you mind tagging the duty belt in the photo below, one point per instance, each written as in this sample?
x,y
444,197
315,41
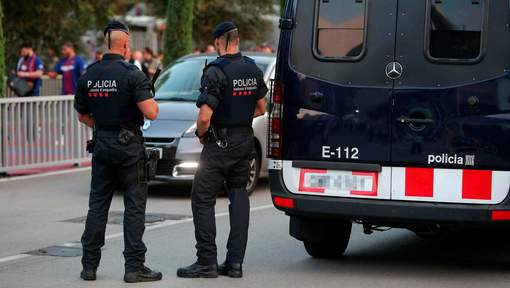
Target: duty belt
x,y
125,135
220,135
133,129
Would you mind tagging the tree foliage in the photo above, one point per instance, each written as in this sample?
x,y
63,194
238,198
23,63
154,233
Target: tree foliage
x,y
50,23
179,29
247,14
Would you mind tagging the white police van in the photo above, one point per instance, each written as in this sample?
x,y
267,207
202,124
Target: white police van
x,y
390,113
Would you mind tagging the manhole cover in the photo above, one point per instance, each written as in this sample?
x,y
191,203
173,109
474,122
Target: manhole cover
x,y
117,217
72,249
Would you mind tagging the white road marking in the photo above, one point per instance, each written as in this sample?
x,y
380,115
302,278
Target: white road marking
x,y
35,176
153,227
15,257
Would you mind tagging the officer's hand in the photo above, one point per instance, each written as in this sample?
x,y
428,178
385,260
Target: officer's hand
x,y
91,123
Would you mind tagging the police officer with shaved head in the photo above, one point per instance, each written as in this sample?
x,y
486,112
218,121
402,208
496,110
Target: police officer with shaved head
x,y
113,97
232,93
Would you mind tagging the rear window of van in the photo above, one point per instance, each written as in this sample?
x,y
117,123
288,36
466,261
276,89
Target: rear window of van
x,y
340,29
455,30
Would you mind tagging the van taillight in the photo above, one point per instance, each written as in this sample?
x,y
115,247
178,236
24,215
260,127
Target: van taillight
x,y
275,116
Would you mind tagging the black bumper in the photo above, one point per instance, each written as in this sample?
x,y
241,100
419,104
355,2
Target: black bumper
x,y
381,211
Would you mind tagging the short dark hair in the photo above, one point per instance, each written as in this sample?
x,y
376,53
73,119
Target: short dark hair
x,y
230,36
26,45
149,50
68,44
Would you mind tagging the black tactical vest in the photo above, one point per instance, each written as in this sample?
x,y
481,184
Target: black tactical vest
x,y
237,107
110,94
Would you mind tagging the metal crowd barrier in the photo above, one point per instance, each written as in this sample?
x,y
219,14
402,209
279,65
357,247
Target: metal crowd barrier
x,y
40,132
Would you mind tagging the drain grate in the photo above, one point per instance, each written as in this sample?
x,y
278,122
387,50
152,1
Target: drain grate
x,y
72,249
117,218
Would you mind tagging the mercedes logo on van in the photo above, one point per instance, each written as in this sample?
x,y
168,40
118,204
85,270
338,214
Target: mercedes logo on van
x,y
394,70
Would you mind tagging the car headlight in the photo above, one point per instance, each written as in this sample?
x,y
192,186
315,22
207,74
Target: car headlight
x,y
190,132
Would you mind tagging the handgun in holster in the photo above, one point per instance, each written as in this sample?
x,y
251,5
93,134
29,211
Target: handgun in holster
x,y
92,142
125,136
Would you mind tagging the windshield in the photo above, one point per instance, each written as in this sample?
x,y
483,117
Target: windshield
x,y
182,80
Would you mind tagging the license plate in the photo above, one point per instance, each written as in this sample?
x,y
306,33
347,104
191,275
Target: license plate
x,y
340,183
159,150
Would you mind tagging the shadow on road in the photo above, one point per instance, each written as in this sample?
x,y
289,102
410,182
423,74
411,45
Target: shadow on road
x,y
476,250
166,190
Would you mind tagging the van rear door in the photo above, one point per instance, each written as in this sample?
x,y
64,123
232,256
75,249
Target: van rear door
x,y
337,98
451,123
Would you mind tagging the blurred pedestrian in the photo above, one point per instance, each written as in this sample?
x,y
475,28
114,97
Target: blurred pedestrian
x,y
137,59
52,60
150,62
160,56
266,48
98,56
71,67
210,49
30,68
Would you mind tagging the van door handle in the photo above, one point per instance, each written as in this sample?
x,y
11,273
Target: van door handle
x,y
404,119
316,97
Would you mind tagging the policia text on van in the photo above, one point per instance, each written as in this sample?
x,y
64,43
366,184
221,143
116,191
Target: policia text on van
x,y
391,113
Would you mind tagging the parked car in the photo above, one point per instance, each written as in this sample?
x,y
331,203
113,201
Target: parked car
x,y
173,133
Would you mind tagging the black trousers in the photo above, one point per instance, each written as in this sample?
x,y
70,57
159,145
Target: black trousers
x,y
116,166
220,166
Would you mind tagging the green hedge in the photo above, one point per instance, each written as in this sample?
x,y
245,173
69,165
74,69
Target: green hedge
x,y
179,29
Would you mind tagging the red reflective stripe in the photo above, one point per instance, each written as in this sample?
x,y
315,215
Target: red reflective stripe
x,y
419,182
477,184
374,184
303,188
284,202
500,215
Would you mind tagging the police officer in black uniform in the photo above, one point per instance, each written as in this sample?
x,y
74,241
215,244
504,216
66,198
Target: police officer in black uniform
x,y
113,97
233,93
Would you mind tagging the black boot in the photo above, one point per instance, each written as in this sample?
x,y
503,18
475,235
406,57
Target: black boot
x,y
144,275
233,270
88,274
198,271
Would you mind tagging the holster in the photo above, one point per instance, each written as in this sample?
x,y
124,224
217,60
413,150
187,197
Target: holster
x,y
125,136
152,163
91,143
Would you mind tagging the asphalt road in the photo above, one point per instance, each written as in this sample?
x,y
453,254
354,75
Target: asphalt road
x,y
34,211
